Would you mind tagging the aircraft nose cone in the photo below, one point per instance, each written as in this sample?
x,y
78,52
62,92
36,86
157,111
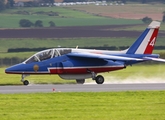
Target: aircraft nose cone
x,y
8,70
13,69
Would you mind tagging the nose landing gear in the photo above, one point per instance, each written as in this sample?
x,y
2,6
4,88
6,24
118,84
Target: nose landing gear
x,y
25,82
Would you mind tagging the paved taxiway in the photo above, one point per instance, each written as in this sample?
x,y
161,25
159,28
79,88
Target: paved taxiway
x,y
81,88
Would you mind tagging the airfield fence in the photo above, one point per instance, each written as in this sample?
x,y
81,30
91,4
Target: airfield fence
x,y
10,61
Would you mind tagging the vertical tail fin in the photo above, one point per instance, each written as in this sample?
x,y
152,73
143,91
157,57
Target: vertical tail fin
x,y
145,43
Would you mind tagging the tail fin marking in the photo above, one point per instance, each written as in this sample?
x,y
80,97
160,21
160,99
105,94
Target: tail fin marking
x,y
151,42
145,43
137,43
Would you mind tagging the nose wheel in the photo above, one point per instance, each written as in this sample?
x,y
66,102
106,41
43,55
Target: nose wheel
x,y
25,82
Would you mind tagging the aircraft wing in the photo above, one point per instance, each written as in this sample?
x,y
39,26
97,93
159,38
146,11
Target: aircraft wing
x,y
155,59
102,56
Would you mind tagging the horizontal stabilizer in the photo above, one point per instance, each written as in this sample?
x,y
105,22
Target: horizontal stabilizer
x,y
155,59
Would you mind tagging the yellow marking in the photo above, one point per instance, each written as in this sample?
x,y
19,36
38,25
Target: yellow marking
x,y
36,68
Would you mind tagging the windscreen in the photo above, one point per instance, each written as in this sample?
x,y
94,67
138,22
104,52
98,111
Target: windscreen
x,y
43,55
47,54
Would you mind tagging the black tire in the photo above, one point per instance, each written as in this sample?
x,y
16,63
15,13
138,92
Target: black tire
x,y
80,81
26,82
99,79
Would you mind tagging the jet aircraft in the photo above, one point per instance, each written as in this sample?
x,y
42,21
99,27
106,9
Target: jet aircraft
x,y
80,64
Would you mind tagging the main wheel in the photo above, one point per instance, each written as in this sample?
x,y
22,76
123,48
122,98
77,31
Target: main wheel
x,y
99,79
26,82
80,81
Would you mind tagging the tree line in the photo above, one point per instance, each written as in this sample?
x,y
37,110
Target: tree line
x,y
38,23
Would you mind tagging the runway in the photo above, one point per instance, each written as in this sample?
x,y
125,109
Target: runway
x,y
81,88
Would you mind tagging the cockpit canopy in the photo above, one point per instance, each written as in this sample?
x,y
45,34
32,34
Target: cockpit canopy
x,y
47,54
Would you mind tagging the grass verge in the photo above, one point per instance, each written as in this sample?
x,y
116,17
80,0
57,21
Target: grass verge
x,y
144,105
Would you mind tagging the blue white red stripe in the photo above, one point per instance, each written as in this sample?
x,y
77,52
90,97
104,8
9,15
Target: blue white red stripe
x,y
145,43
83,70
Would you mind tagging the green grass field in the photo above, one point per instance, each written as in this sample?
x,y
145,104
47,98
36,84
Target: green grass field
x,y
67,17
78,15
21,55
136,74
5,44
130,105
83,15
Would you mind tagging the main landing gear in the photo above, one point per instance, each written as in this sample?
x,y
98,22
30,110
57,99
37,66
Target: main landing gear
x,y
25,82
99,79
